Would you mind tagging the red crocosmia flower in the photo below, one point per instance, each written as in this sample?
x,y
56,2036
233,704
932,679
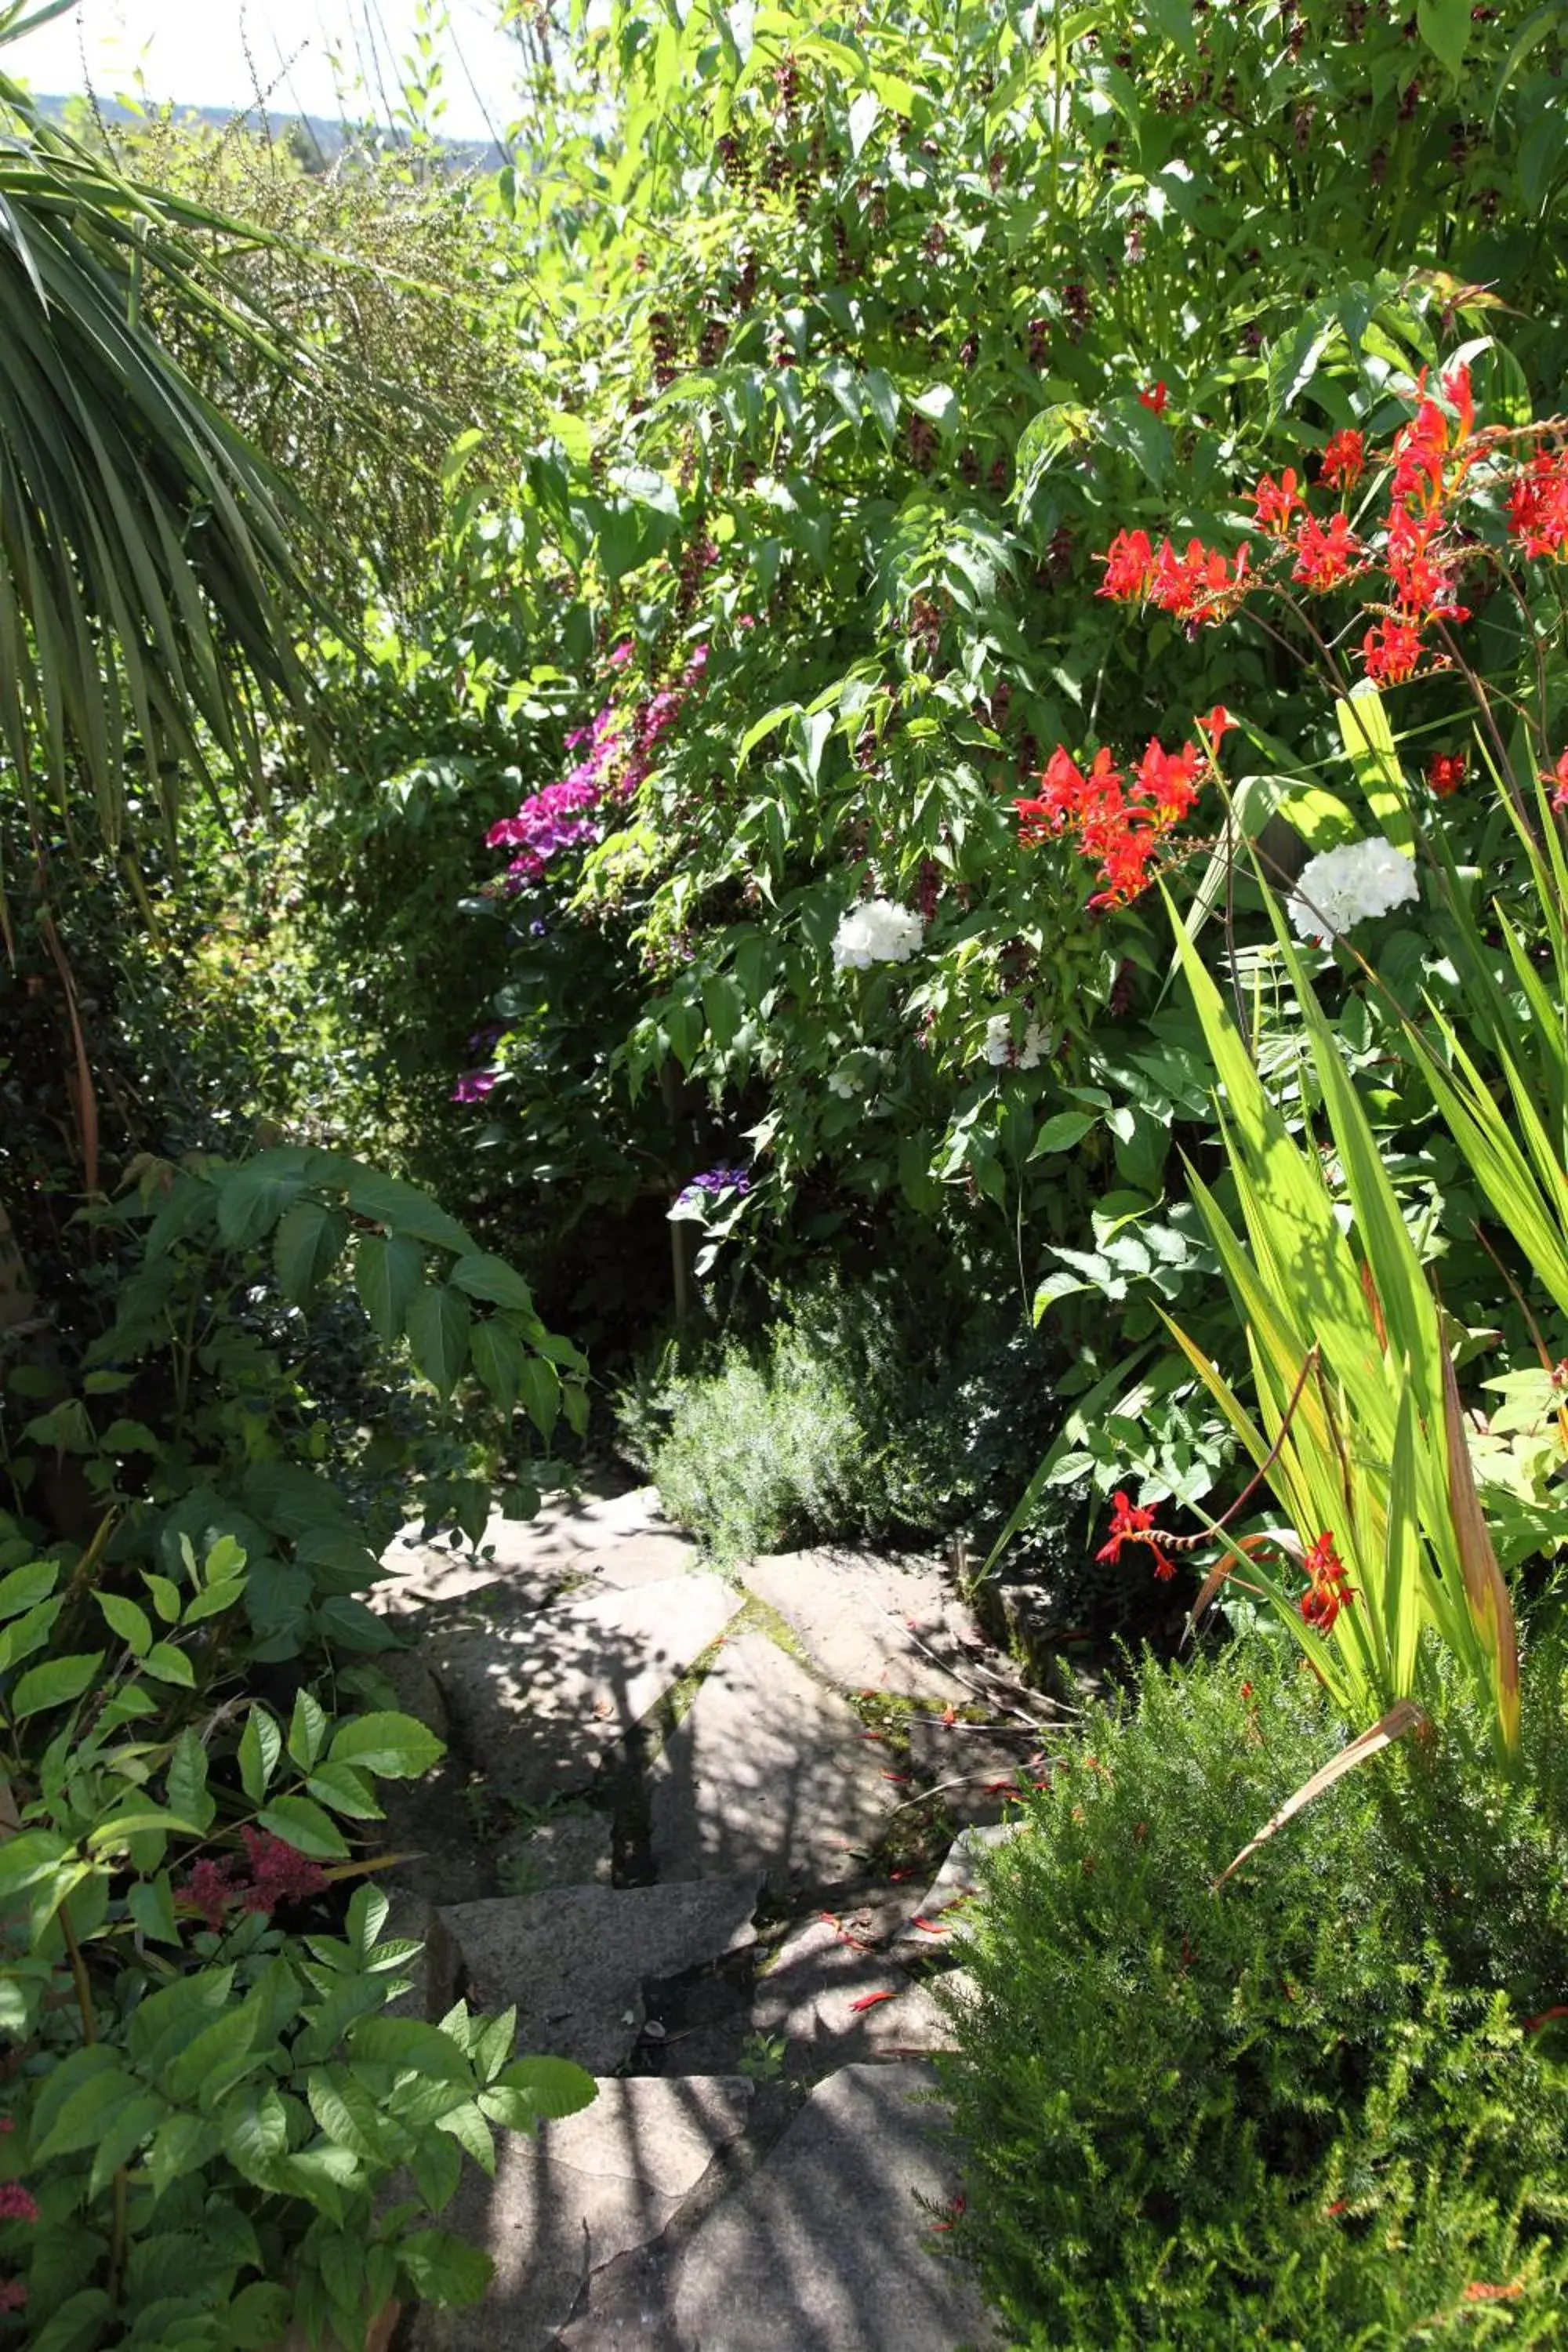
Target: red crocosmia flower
x,y
1216,724
1325,554
1128,562
1135,1523
1538,504
1456,392
1558,779
1344,461
1391,652
1420,449
1423,584
1328,1591
1155,399
1447,773
1274,502
1170,779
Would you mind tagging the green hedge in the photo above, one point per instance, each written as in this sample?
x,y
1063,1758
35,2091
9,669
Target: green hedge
x,y
1305,2110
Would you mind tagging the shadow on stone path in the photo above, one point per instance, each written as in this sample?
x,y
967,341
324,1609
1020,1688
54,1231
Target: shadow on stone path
x,y
684,1828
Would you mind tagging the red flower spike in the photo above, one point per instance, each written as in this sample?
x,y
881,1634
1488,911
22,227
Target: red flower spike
x,y
1274,502
1128,563
869,1999
1559,778
1325,554
1391,652
1155,399
1344,461
1447,773
1216,725
1538,504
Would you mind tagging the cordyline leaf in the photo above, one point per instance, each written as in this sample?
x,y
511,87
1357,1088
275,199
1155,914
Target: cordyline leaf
x,y
1401,1717
1484,1585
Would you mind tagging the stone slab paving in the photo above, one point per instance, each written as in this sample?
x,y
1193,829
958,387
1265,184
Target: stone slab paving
x,y
538,1701
570,1849
767,1771
590,2188
852,1614
830,1993
975,1768
954,1884
575,1959
826,2249
622,1539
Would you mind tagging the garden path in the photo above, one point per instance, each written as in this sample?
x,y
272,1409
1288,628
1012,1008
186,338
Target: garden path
x,y
701,1832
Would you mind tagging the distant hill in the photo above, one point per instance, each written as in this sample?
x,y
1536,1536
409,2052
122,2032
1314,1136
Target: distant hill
x,y
318,142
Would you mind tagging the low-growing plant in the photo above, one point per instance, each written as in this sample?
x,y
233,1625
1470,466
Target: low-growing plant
x,y
1319,2106
756,1456
206,2099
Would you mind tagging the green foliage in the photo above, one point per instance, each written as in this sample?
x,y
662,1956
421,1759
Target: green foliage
x,y
184,1422
1308,2109
209,2099
758,1456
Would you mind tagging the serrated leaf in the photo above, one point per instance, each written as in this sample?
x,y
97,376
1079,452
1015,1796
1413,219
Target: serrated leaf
x,y
166,1596
498,1359
186,1784
260,1746
346,1791
26,1586
131,1624
167,1664
466,2126
307,1730
310,1242
302,1824
151,1906
539,1385
388,1270
490,1278
438,1335
394,1747
56,1683
250,1200
1445,27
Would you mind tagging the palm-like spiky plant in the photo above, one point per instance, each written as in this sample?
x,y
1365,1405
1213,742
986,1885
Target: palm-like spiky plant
x,y
147,577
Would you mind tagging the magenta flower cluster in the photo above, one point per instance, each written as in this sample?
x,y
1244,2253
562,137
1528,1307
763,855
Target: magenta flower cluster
x,y
617,750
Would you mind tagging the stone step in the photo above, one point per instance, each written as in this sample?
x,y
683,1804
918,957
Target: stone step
x,y
574,1960
564,2205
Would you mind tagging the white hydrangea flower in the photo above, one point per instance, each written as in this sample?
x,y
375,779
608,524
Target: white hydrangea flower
x,y
1037,1043
876,932
1348,886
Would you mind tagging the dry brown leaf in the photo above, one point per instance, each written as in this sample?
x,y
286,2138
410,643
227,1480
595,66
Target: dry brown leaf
x,y
1401,1717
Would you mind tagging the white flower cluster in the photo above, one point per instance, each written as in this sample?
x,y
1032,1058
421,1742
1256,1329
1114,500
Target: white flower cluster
x,y
1037,1043
876,932
1348,886
860,1070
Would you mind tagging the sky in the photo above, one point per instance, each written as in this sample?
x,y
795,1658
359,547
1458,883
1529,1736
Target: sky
x,y
194,52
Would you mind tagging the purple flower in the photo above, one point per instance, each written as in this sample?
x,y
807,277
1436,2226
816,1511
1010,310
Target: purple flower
x,y
714,1180
622,653
474,1085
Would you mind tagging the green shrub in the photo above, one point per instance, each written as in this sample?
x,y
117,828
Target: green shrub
x,y
756,1457
1304,2110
